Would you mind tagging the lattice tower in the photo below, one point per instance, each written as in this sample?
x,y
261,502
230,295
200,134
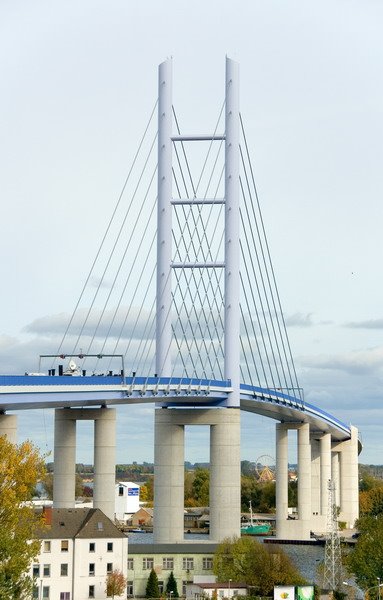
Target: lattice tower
x,y
332,575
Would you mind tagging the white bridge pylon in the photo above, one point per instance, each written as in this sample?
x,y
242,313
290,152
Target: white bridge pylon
x,y
325,444
231,258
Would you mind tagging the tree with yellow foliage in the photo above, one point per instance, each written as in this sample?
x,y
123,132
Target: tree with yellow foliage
x,y
115,584
21,467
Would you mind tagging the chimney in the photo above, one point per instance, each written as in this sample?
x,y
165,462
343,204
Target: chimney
x,y
47,515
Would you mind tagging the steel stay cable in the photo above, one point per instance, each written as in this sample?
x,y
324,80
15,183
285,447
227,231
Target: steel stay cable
x,y
262,282
123,258
107,229
114,247
268,251
265,270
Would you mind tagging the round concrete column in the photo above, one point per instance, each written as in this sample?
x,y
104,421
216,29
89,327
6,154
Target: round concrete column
x,y
169,477
8,427
335,476
281,481
349,495
225,474
64,459
105,460
325,471
304,473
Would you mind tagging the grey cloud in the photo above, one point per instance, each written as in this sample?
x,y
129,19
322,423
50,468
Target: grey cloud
x,y
370,324
362,362
299,320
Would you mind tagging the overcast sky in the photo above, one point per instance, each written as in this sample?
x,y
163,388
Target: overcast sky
x,y
78,81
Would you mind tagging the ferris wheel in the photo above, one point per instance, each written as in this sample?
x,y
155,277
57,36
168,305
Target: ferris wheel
x,y
265,468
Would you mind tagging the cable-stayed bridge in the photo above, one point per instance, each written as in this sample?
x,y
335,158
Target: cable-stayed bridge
x,y
181,309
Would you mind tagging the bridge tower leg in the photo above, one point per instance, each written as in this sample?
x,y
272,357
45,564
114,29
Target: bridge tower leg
x,y
64,473
8,427
169,424
169,470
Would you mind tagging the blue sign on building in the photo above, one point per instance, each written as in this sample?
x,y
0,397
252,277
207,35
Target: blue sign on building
x,y
133,491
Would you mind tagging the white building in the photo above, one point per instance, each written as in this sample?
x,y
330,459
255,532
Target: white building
x,y
201,591
79,548
127,500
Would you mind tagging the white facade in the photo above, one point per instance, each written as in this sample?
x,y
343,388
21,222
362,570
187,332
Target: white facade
x,y
127,499
199,591
75,564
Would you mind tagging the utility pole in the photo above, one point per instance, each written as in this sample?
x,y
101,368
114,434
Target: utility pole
x,y
332,576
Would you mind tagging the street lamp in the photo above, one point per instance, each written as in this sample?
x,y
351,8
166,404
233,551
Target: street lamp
x,y
373,587
229,587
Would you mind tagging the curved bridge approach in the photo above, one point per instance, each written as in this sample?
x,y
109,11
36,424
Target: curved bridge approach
x,y
326,447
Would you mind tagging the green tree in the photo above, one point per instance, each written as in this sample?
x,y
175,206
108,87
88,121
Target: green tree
x,y
115,584
21,467
258,565
365,561
152,589
201,486
171,586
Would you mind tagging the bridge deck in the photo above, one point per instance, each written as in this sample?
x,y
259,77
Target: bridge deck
x,y
20,392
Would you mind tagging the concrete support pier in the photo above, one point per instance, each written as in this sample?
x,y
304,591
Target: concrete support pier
x,y
169,475
225,471
325,471
349,488
281,484
8,427
225,475
64,470
304,475
104,457
105,461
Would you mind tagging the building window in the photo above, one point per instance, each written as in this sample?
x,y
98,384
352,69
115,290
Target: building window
x,y
64,545
91,591
46,571
91,569
109,567
46,592
64,595
92,547
130,564
36,570
100,526
109,547
121,490
147,563
187,563
47,546
207,564
168,563
161,587
64,569
184,583
35,593
129,589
